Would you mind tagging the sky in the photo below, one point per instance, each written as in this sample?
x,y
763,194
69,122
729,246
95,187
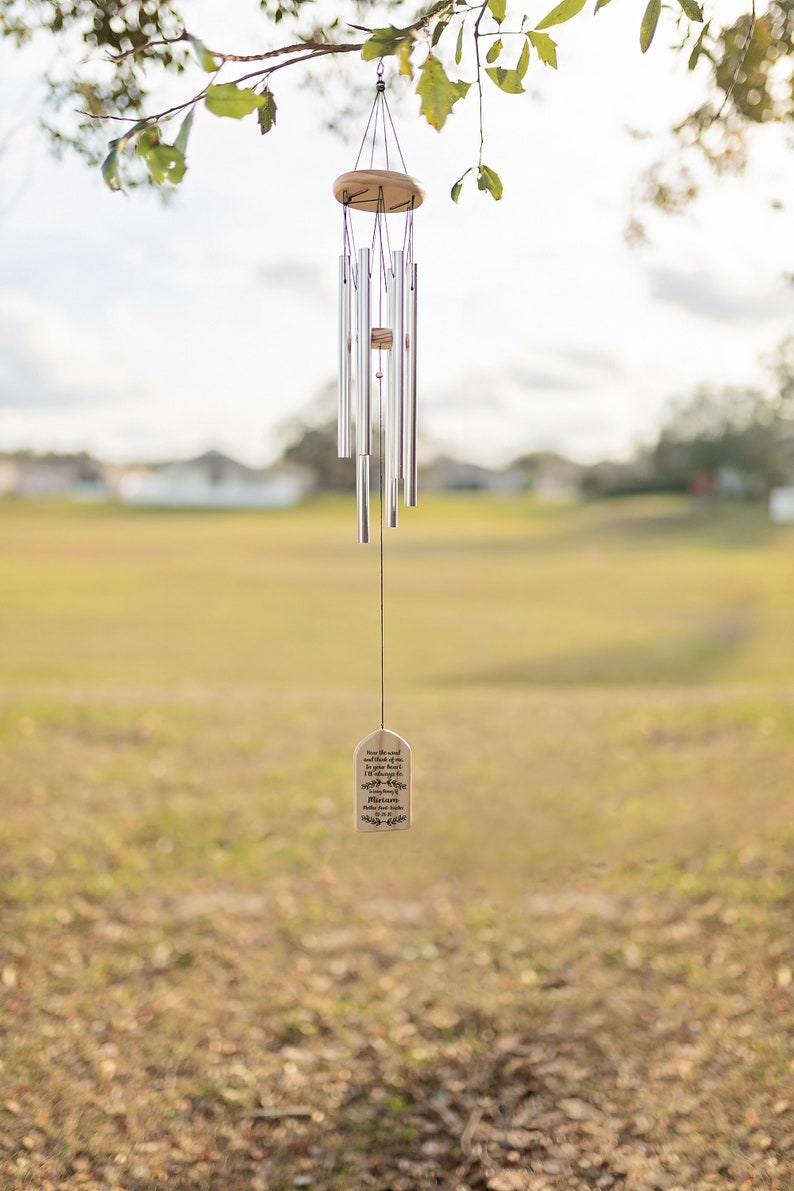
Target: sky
x,y
140,330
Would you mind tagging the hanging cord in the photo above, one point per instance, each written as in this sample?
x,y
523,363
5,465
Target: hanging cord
x,y
379,113
387,112
349,246
380,544
382,266
380,122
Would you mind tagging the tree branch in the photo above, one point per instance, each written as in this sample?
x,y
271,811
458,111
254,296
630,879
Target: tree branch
x,y
480,16
302,51
739,63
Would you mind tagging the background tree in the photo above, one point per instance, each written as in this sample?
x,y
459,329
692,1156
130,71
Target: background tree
x,y
315,446
749,431
449,49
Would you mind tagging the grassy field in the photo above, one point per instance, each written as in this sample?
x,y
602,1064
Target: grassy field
x,y
575,971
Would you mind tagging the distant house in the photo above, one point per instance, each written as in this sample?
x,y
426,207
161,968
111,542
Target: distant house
x,y
620,478
455,475
214,480
549,475
734,482
781,505
8,475
28,474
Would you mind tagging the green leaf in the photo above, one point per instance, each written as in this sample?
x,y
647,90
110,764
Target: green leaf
x,y
148,139
123,141
165,163
600,4
563,12
437,92
226,99
267,111
510,80
459,44
523,60
494,51
456,189
111,172
649,22
488,179
546,47
184,133
404,54
498,10
692,10
206,60
384,43
440,26
699,48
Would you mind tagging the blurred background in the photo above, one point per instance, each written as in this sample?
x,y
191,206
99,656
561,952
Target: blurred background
x,y
576,970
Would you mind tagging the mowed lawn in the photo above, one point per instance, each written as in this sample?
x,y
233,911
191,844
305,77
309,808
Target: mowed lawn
x,y
576,969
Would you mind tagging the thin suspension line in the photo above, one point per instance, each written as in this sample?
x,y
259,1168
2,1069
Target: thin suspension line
x,y
380,560
381,263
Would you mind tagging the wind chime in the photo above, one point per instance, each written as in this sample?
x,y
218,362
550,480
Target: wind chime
x,y
377,342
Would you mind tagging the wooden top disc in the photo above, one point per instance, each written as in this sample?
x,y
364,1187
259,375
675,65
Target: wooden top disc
x,y
361,189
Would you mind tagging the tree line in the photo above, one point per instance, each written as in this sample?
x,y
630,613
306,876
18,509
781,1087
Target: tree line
x,y
737,439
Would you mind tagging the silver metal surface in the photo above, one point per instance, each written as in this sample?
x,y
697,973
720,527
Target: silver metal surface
x,y
363,356
410,432
362,497
388,459
391,495
344,437
397,315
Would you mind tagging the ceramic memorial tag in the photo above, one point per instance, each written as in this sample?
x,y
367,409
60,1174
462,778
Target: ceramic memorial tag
x,y
382,765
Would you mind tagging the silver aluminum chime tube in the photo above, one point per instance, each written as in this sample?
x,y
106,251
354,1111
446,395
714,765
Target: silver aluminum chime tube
x,y
409,429
398,461
344,439
363,391
393,434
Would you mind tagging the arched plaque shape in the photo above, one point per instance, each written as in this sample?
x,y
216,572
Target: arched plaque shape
x,y
382,764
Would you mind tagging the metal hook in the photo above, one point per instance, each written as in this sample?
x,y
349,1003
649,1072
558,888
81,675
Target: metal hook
x,y
381,86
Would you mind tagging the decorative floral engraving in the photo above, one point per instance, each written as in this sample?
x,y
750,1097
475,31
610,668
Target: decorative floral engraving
x,y
390,822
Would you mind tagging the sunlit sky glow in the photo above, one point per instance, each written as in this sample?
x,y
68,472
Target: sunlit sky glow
x,y
139,330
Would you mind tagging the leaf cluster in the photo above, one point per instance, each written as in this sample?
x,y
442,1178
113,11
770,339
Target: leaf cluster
x,y
750,63
136,35
449,50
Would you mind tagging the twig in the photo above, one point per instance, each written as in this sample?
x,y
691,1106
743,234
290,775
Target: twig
x,y
739,64
320,47
321,50
278,1114
480,16
448,1118
149,45
472,1125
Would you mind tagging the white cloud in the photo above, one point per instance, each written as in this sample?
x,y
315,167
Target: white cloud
x,y
709,296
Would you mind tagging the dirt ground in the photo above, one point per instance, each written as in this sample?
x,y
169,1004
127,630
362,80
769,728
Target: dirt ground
x,y
226,1039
